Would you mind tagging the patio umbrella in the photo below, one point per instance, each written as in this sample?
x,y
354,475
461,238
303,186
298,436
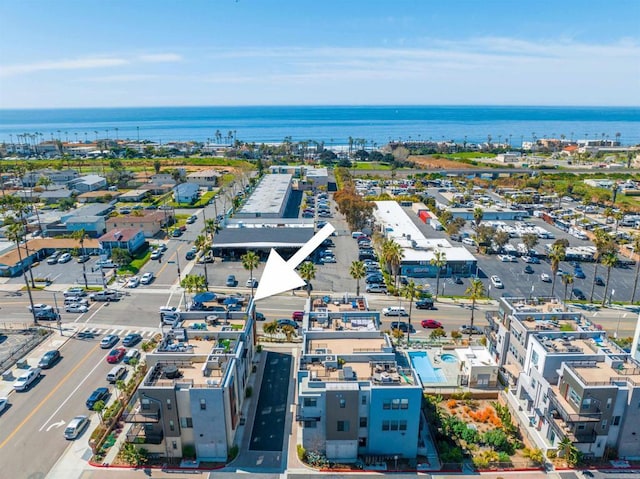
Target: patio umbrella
x,y
204,297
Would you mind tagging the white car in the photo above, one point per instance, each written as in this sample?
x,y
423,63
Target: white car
x,y
252,283
496,282
468,241
376,288
23,382
544,277
504,258
76,308
147,278
133,282
4,402
64,258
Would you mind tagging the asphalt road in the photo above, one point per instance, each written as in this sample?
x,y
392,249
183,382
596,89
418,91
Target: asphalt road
x,y
31,430
268,427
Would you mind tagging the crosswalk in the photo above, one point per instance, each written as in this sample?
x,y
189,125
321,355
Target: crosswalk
x,y
102,330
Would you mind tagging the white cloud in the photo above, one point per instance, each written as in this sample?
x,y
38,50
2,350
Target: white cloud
x,y
68,64
160,58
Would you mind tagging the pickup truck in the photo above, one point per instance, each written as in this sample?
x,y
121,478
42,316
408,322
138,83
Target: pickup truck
x,y
23,382
105,295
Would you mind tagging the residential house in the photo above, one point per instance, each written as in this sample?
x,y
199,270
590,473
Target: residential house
x,y
134,195
149,222
186,193
206,178
91,218
87,183
131,239
54,196
57,177
98,196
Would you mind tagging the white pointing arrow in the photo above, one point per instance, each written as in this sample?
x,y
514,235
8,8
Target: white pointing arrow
x,y
280,275
55,424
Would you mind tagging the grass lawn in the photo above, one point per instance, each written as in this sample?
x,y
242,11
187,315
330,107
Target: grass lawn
x,y
139,260
370,165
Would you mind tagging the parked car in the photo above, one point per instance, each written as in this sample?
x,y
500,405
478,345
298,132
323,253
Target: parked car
x,y
176,233
76,427
232,282
109,340
468,241
83,258
190,255
545,278
578,273
4,402
133,282
578,294
329,259
116,355
599,281
106,263
287,322
75,292
147,278
156,254
131,339
430,323
376,288
259,316
528,269
49,359
24,381
252,283
192,219
53,259
100,394
496,282
468,329
133,353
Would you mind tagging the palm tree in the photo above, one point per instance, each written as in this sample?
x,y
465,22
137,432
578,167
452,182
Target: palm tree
x,y
392,254
411,291
194,283
474,292
603,244
16,232
308,272
270,328
567,279
439,260
80,236
250,261
570,452
636,251
609,260
556,255
357,272
211,227
478,214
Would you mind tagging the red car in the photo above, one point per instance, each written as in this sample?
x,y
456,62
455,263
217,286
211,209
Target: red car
x,y
116,355
297,315
431,323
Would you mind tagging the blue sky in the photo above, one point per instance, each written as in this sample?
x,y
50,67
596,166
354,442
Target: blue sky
x,y
86,53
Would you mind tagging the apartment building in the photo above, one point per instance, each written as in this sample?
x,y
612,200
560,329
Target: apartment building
x,y
193,392
566,379
356,397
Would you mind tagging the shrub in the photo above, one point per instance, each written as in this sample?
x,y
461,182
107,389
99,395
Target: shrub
x,y
189,451
452,403
233,452
302,453
552,453
498,440
248,392
456,334
259,348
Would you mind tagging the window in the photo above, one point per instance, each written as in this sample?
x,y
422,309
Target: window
x,y
385,425
394,425
403,425
174,444
386,404
395,404
586,403
604,424
310,424
608,403
310,402
168,403
146,404
534,383
581,427
404,404
363,400
534,358
343,403
573,396
616,421
203,404
362,442
172,426
186,422
363,422
343,426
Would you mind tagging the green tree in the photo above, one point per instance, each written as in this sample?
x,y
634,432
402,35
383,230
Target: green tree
x,y
16,232
308,272
392,254
556,255
45,181
604,244
500,238
98,407
609,260
439,260
270,328
357,271
133,455
570,452
474,292
530,240
120,256
250,261
411,291
478,214
567,279
156,166
80,235
194,283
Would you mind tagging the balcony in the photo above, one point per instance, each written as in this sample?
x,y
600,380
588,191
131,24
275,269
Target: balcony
x,y
301,416
136,413
560,409
139,435
576,436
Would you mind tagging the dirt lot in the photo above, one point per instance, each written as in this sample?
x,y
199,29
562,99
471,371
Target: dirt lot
x,y
429,162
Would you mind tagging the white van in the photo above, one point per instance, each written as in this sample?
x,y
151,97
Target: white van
x,y
356,234
394,311
116,373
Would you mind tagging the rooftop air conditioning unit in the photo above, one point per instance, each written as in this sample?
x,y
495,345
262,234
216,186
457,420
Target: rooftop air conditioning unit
x,y
330,358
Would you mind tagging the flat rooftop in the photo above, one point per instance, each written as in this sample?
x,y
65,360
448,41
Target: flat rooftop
x,y
598,373
269,196
346,346
215,323
381,373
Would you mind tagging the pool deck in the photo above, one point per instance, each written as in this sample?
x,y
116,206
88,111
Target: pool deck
x,y
450,370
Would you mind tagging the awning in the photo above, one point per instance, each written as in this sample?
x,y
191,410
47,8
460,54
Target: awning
x,y
204,297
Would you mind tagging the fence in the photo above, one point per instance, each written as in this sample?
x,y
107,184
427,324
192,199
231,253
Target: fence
x,y
10,357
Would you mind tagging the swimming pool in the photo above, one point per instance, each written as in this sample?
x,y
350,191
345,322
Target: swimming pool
x,y
422,364
448,358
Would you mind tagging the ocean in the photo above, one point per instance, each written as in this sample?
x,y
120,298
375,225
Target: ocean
x,y
331,124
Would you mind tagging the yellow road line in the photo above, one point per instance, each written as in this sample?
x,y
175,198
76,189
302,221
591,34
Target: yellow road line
x,y
166,263
48,396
